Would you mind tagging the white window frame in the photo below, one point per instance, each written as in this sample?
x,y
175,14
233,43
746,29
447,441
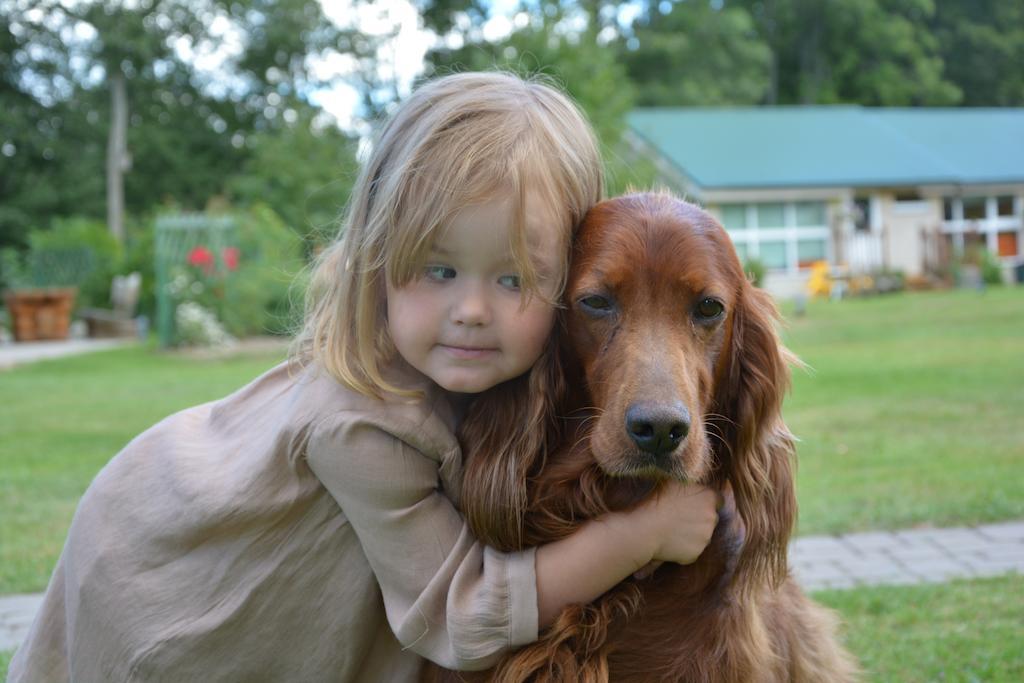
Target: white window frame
x,y
990,226
753,235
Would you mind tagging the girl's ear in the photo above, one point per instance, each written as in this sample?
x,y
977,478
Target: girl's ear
x,y
505,437
759,454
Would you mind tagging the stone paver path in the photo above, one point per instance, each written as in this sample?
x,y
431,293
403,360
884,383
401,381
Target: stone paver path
x,y
892,557
908,557
16,614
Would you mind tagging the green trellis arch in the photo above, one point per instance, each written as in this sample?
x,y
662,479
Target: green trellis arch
x,y
176,236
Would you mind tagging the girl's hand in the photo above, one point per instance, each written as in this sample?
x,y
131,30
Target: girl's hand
x,y
680,520
674,526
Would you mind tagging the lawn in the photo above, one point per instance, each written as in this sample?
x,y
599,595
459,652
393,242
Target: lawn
x,y
912,411
62,420
966,631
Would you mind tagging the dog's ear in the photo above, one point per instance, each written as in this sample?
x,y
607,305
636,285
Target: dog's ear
x,y
505,437
759,455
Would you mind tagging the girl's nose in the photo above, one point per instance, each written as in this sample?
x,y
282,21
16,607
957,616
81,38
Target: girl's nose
x,y
471,306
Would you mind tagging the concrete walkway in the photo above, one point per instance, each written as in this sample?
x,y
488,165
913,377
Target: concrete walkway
x,y
28,352
910,557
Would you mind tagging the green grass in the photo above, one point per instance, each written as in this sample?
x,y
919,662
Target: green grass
x,y
62,420
963,631
5,661
911,414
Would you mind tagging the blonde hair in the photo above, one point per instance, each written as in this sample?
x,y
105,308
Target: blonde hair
x,y
456,141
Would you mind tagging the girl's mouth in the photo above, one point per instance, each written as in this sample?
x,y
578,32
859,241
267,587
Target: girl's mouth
x,y
467,352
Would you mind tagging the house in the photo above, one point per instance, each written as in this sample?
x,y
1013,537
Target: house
x,y
866,189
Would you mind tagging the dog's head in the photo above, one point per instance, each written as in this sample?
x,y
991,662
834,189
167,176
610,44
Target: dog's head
x,y
682,362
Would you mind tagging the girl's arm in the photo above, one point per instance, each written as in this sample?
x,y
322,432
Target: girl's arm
x,y
674,526
447,596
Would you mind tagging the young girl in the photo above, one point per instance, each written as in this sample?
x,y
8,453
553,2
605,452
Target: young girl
x,y
303,528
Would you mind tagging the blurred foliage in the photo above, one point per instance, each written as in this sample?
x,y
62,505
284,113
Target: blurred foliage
x,y
755,270
982,47
304,172
696,55
576,63
870,52
188,128
242,278
74,251
257,293
46,267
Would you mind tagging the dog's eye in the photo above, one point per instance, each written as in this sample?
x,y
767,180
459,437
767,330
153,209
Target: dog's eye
x,y
595,303
709,308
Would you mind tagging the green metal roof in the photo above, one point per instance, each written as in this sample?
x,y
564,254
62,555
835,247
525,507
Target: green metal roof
x,y
836,146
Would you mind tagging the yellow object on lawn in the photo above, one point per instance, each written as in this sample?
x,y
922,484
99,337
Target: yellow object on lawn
x,y
820,282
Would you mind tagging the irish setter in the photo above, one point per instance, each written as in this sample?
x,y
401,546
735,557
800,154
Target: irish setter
x,y
669,365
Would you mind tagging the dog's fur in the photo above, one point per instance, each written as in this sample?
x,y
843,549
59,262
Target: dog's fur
x,y
735,615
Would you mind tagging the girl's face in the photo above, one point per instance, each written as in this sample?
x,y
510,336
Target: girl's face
x,y
461,322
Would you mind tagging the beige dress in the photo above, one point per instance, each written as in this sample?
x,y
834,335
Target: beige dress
x,y
293,531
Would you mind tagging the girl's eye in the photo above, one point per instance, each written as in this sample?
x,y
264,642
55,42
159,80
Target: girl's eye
x,y
510,281
709,309
596,304
439,272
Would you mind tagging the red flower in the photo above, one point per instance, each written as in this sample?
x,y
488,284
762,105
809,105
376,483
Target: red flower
x,y
203,258
230,257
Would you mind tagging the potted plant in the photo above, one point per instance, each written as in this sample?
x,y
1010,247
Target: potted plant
x,y
41,290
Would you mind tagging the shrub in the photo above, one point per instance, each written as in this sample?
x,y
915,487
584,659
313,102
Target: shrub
x,y
76,251
198,326
991,268
977,262
269,256
755,271
242,277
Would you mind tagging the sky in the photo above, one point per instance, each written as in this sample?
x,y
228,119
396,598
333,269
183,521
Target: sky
x,y
401,58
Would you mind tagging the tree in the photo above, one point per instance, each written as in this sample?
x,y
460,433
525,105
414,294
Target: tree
x,y
578,61
874,52
691,53
981,43
186,128
40,143
304,172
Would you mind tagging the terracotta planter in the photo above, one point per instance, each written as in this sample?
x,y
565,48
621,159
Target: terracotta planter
x,y
40,313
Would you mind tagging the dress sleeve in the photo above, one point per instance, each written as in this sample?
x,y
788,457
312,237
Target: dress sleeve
x,y
447,596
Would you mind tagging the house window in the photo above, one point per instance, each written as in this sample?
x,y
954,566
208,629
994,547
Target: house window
x,y
810,215
810,251
974,208
771,216
862,214
947,209
773,255
782,236
1004,205
734,216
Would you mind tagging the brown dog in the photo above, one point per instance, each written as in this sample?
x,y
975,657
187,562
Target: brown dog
x,y
672,361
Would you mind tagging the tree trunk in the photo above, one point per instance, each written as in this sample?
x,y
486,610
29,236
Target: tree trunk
x,y
769,25
117,155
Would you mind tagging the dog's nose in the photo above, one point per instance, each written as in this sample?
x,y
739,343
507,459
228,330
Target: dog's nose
x,y
657,428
